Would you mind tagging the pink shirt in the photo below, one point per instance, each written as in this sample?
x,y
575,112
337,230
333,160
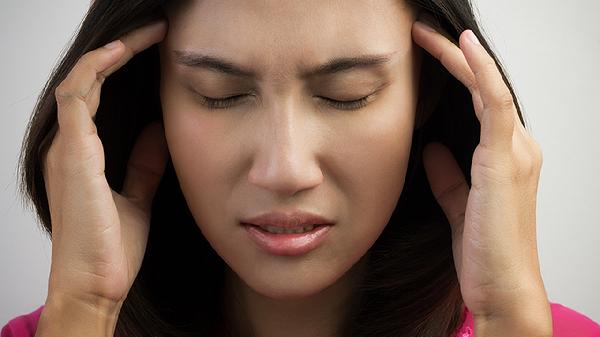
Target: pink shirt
x,y
565,321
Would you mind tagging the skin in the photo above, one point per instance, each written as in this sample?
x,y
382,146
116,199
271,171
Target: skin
x,y
349,166
285,149
493,221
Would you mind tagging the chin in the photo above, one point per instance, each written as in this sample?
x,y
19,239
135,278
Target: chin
x,y
288,283
285,290
294,283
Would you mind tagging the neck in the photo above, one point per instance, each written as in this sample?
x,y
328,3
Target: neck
x,y
251,314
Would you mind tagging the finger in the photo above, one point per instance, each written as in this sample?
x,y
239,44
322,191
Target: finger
x,y
78,93
449,55
73,93
499,111
146,166
138,40
447,182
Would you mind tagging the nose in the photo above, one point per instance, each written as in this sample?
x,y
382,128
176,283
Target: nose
x,y
286,157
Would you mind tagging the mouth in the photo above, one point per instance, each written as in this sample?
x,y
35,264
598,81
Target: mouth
x,y
288,231
287,241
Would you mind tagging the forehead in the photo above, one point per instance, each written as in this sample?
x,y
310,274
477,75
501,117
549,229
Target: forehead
x,y
274,34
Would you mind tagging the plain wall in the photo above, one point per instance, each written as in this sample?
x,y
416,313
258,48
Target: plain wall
x,y
550,48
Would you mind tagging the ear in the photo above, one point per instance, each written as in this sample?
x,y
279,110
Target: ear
x,y
432,82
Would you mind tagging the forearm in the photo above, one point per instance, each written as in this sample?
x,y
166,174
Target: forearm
x,y
64,316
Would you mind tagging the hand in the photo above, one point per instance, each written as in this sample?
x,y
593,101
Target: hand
x,y
493,221
99,236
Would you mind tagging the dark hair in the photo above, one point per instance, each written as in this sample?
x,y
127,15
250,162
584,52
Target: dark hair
x,y
411,287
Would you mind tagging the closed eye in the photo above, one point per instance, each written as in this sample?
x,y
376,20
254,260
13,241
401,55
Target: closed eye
x,y
227,102
348,105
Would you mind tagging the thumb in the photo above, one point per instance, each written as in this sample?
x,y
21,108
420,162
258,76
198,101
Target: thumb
x,y
447,183
146,166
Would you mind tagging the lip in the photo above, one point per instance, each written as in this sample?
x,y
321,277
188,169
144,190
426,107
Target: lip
x,y
291,219
288,244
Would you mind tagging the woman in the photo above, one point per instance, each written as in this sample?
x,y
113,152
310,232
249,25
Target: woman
x,y
277,169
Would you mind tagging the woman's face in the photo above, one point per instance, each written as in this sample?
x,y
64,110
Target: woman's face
x,y
281,145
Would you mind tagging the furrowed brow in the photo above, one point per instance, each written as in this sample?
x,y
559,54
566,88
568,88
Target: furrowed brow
x,y
213,63
344,64
336,65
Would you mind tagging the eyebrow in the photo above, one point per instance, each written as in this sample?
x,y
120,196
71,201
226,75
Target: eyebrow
x,y
332,66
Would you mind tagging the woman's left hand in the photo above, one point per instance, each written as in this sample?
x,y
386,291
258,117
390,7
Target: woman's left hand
x,y
493,221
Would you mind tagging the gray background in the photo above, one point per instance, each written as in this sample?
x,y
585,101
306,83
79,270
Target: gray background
x,y
551,49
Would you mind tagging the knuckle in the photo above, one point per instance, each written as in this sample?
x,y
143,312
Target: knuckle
x,y
61,91
505,100
485,69
66,91
86,60
490,66
64,94
472,85
537,153
527,167
517,173
93,129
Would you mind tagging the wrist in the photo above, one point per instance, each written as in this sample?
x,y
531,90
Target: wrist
x,y
68,315
530,318
503,328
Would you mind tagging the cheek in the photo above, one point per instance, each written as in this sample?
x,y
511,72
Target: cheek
x,y
377,148
202,153
373,158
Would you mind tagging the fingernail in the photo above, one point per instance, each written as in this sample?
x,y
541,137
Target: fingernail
x,y
473,38
112,45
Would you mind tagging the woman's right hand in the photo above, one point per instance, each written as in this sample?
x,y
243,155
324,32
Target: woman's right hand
x,y
99,236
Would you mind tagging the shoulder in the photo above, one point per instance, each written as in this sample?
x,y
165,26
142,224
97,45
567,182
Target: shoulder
x,y
566,322
22,326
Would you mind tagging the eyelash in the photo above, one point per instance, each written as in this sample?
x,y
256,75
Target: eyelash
x,y
224,103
